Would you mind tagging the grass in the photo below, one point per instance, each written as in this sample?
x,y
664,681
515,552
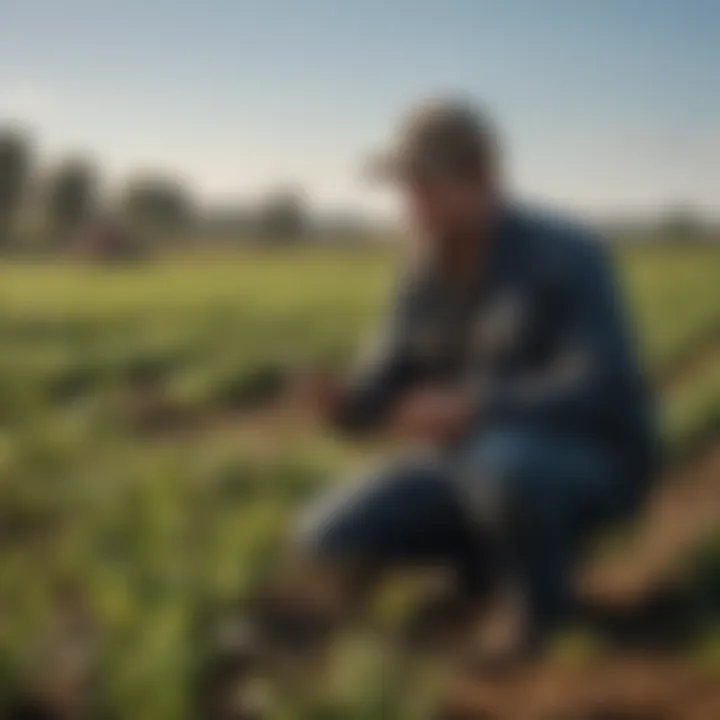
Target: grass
x,y
674,291
153,533
692,414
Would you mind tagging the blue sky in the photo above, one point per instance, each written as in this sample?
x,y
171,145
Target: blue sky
x,y
603,104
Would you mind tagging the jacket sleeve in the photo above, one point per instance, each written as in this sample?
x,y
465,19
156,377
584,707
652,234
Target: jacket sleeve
x,y
593,362
383,375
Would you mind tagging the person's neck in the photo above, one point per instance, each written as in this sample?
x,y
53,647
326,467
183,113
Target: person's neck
x,y
461,256
465,254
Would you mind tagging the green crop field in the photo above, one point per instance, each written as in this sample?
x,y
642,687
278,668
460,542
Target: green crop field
x,y
128,485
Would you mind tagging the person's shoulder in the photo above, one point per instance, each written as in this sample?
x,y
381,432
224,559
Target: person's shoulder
x,y
558,243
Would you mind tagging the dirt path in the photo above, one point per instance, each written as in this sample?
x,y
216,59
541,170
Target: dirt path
x,y
684,509
627,687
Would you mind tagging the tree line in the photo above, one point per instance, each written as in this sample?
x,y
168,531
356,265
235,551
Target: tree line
x,y
54,209
58,204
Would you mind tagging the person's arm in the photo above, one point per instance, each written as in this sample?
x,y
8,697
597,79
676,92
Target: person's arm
x,y
593,363
368,397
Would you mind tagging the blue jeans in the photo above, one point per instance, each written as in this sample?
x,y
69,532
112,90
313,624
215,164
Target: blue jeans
x,y
518,500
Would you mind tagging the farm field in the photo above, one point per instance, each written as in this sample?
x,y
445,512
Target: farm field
x,y
140,487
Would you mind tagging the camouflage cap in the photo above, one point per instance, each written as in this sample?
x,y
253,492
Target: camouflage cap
x,y
437,137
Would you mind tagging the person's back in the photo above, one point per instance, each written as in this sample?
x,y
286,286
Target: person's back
x,y
580,372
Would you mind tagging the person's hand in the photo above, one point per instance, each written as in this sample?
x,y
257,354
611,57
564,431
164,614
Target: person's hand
x,y
437,415
319,392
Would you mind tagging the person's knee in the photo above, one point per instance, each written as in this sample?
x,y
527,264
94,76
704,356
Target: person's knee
x,y
334,526
505,483
314,534
379,515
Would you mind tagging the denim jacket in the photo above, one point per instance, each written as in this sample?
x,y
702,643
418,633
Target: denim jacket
x,y
541,339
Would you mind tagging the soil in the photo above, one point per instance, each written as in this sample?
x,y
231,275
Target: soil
x,y
638,603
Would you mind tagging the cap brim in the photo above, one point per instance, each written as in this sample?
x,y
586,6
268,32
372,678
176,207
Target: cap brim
x,y
385,167
391,168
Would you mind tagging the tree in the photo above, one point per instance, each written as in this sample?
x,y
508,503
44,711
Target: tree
x,y
155,202
72,195
14,171
681,224
283,216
